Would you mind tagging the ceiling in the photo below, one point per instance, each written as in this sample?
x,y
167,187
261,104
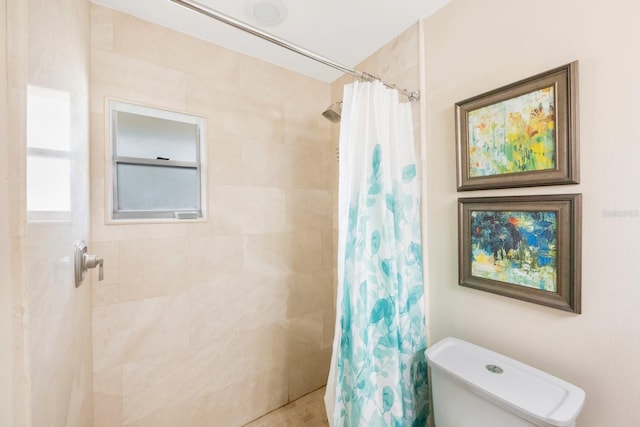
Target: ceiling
x,y
343,31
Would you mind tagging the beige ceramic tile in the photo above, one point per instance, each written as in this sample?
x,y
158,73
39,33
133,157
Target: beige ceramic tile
x,y
225,409
187,414
215,63
98,150
310,292
308,411
304,335
266,164
108,381
164,265
104,294
101,27
259,82
136,81
17,163
270,254
257,118
97,211
206,258
48,263
130,256
147,231
308,167
269,391
201,59
309,209
265,301
329,249
248,209
107,397
210,97
138,39
268,349
307,251
135,38
316,92
334,209
224,154
309,373
156,383
331,161
213,313
304,123
135,330
399,56
107,410
267,363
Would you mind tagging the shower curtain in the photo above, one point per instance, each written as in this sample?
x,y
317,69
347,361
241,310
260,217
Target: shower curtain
x,y
378,373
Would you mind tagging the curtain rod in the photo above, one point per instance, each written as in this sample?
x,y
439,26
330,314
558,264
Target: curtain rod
x,y
219,16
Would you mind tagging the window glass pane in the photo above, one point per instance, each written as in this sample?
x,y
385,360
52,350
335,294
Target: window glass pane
x,y
48,184
48,118
144,187
152,137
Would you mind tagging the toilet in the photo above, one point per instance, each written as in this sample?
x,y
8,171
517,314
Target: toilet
x,y
476,387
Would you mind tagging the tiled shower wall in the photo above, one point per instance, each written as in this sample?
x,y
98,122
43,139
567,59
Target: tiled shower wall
x,y
49,345
216,322
6,234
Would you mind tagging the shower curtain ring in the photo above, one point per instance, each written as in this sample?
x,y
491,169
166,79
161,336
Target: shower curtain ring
x,y
368,77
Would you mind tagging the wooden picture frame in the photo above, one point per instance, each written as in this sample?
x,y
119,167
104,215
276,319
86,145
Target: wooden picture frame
x,y
523,247
523,134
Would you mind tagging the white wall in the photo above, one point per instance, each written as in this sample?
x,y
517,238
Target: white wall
x,y
472,47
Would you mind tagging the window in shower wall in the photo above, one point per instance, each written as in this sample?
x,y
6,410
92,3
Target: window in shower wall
x,y
156,163
49,154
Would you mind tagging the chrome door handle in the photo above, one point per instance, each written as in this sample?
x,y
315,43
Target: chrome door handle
x,y
85,261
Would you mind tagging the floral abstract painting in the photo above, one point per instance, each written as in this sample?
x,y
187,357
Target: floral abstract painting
x,y
513,136
517,247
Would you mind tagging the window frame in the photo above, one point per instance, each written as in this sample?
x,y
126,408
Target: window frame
x,y
118,215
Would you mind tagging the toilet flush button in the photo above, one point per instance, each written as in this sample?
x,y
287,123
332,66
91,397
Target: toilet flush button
x,y
494,369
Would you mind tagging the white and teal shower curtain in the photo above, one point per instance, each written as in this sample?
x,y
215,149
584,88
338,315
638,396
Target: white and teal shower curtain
x,y
378,374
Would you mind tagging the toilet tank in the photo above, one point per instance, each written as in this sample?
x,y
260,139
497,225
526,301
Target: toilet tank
x,y
476,387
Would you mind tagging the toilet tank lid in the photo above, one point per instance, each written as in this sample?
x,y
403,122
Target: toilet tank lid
x,y
519,388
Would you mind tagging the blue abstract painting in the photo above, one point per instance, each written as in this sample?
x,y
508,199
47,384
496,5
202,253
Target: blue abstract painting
x,y
517,247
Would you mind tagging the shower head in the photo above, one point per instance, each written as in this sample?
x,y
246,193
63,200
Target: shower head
x,y
333,112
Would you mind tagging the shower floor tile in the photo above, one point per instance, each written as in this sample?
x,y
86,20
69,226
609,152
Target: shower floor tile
x,y
308,411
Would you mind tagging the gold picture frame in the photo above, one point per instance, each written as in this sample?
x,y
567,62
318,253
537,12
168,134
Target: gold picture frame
x,y
523,247
523,134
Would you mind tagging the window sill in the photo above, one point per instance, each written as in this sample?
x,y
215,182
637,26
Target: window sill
x,y
133,221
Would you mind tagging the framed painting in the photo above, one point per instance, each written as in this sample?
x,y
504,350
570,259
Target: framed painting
x,y
523,247
520,135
